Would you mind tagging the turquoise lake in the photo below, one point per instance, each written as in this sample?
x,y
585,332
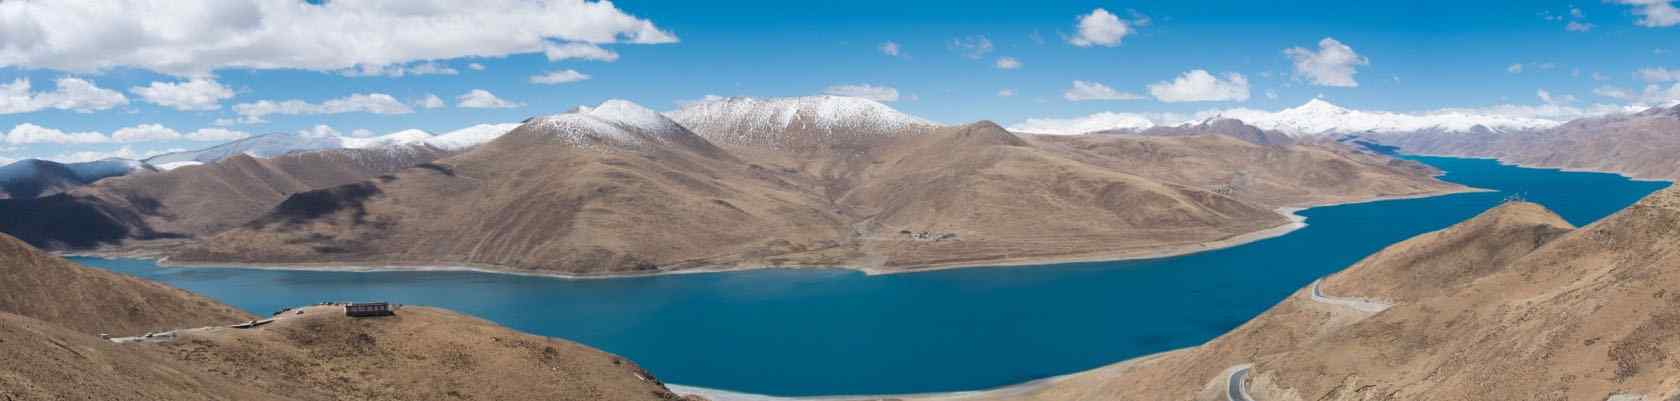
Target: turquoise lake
x,y
834,331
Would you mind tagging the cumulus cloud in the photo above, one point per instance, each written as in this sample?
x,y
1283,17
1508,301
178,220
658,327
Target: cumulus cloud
x,y
1201,86
1008,63
27,133
866,91
31,133
483,99
431,101
559,77
71,94
1006,93
475,67
269,34
1654,13
578,50
891,49
124,152
1103,28
1083,90
1653,94
399,70
1548,98
198,94
376,103
1334,64
1658,74
974,47
1578,26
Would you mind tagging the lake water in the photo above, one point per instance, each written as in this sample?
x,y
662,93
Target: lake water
x,y
832,331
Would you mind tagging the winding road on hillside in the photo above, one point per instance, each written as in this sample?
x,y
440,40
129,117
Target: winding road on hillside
x,y
1355,303
1235,388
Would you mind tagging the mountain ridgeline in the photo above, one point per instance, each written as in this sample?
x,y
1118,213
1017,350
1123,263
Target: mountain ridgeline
x,y
819,181
1641,145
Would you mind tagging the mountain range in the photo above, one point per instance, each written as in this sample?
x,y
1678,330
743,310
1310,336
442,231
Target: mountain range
x,y
1641,145
819,181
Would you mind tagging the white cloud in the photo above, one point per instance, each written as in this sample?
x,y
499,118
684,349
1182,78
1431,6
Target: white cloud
x,y
376,103
319,131
1547,97
1654,13
890,48
273,34
1658,74
578,50
399,70
974,47
1653,94
215,135
1334,64
431,101
30,133
197,94
1008,63
1095,122
702,99
1103,28
1578,26
1271,94
483,99
122,153
866,91
1201,86
71,94
1515,68
145,133
475,67
1006,93
1083,90
1600,77
559,77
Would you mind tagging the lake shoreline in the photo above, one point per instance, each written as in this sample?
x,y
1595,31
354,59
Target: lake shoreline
x,y
1561,169
1296,222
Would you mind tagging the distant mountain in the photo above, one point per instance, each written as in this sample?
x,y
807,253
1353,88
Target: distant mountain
x,y
825,181
282,143
810,122
32,178
1318,117
1642,144
193,200
1216,126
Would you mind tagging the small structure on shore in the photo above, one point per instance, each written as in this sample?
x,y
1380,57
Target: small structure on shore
x,y
368,309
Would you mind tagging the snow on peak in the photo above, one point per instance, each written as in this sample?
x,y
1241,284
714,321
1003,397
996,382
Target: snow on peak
x,y
404,137
1103,121
615,122
470,136
776,121
1318,116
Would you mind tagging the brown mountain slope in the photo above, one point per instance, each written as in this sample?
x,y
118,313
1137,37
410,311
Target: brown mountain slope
x,y
1501,307
192,201
95,301
50,308
1002,199
1640,145
1273,175
617,189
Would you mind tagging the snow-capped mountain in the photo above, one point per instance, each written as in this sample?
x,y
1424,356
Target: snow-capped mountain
x,y
617,124
1321,117
277,144
1104,121
796,121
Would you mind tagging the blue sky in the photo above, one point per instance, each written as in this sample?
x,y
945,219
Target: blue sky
x,y
1406,56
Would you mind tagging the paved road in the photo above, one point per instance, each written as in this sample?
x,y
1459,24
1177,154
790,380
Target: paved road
x,y
1355,303
1235,388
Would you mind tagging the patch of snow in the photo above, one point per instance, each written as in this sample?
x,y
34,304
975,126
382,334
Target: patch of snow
x,y
1318,117
404,137
176,165
1103,121
470,136
616,123
746,120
